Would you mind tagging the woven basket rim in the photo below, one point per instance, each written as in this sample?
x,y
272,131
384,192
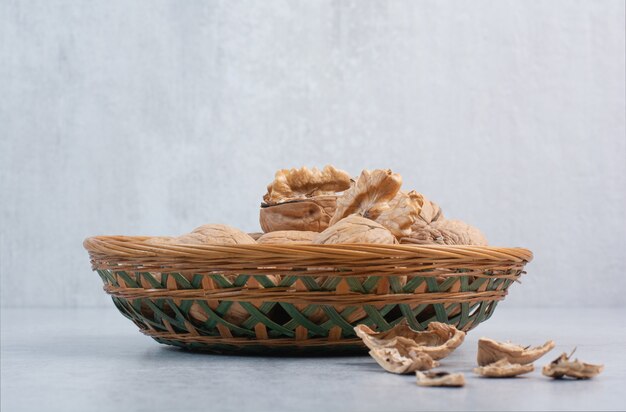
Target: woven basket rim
x,y
129,246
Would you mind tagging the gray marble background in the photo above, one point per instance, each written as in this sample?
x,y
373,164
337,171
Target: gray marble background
x,y
153,117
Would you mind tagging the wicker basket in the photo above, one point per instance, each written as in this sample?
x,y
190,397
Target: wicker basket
x,y
303,298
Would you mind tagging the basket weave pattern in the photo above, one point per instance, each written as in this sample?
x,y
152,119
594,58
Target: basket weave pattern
x,y
297,297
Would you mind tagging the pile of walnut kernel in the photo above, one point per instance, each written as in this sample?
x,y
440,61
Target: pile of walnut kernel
x,y
328,207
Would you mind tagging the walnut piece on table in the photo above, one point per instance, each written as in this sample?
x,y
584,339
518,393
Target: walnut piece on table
x,y
444,379
564,367
503,369
490,351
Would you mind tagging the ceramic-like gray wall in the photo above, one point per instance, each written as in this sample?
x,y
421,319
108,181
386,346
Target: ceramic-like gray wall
x,y
151,117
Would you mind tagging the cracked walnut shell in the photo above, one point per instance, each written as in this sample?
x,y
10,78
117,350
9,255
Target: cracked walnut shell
x,y
302,199
304,215
445,232
355,229
440,379
490,351
437,341
503,369
563,366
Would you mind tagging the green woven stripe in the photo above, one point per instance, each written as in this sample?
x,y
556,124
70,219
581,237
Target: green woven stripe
x,y
181,281
355,285
478,316
300,320
491,308
152,281
264,281
215,318
375,318
264,308
310,283
260,317
221,281
336,318
464,315
413,284
154,312
395,285
477,283
240,280
408,314
108,277
447,284
130,282
289,280
331,283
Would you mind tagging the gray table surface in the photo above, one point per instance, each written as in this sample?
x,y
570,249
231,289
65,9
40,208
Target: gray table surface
x,y
94,359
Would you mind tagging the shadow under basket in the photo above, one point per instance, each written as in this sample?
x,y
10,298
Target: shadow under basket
x,y
297,299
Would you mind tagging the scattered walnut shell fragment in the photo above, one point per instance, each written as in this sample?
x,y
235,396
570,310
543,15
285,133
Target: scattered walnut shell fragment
x,y
563,366
503,369
445,232
306,215
287,237
355,229
440,379
369,196
393,361
437,341
490,351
